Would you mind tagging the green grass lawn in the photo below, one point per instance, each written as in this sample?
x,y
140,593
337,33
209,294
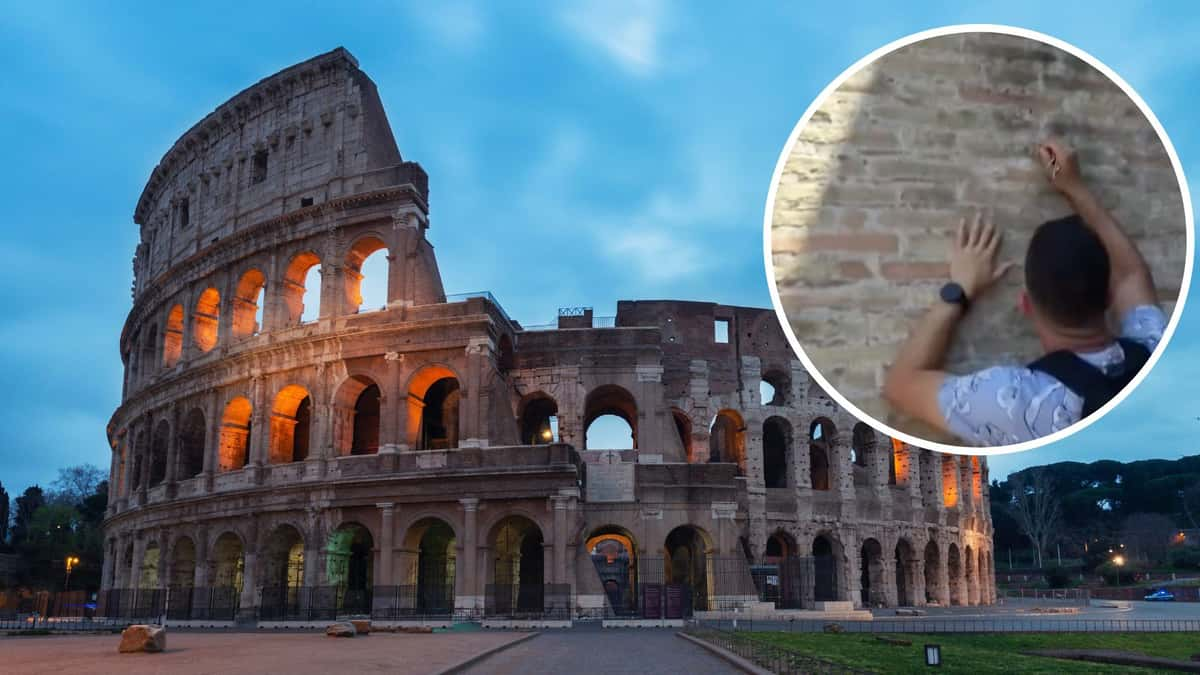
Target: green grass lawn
x,y
984,653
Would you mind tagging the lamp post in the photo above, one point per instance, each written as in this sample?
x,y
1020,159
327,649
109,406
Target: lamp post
x,y
1119,561
72,561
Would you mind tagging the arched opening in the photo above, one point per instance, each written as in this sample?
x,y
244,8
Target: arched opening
x,y
683,432
235,435
283,559
783,586
356,411
895,451
612,552
954,574
127,565
905,574
933,572
766,393
863,442
687,565
291,420
148,576
433,407
872,569
976,479
969,579
505,356
821,437
825,574
727,439
248,304
192,436
366,275
610,419
158,452
773,388
777,440
206,320
539,420
302,288
949,482
348,566
141,447
173,337
228,562
433,575
518,566
183,564
149,347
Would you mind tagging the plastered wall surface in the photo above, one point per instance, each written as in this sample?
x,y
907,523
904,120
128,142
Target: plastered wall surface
x,y
885,168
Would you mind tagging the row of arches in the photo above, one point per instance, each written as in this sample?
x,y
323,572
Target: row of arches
x,y
297,297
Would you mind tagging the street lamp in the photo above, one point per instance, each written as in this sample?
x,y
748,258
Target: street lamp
x,y
1119,561
72,561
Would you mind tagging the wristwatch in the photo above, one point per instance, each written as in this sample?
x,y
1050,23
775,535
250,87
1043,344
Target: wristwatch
x,y
954,294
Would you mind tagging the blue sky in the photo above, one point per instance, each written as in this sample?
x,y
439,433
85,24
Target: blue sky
x,y
578,155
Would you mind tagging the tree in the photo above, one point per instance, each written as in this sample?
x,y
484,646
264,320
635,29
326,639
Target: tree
x,y
1147,535
1036,508
76,483
3,517
27,504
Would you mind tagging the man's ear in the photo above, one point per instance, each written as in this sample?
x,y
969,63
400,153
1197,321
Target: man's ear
x,y
1024,304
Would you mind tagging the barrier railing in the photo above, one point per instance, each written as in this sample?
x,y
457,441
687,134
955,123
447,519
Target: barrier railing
x,y
528,601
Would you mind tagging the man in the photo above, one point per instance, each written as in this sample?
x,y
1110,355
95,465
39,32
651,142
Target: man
x,y
1077,270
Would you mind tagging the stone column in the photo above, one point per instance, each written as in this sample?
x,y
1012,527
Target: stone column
x,y
467,582
248,602
392,405
313,559
259,426
172,474
135,567
387,513
471,429
106,568
559,504
200,577
916,572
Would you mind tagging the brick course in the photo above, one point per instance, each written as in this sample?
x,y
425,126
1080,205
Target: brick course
x,y
890,162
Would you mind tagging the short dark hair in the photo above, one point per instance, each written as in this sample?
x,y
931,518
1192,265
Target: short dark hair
x,y
1067,272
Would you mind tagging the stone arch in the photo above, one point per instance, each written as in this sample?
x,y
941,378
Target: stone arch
x,y
235,435
228,560
149,350
970,581
538,418
613,552
863,445
282,558
183,562
822,437
158,452
954,575
348,557
141,448
906,573
826,553
291,425
683,431
362,248
873,569
148,570
614,400
687,561
433,567
518,564
949,481
356,407
934,575
173,336
727,439
247,299
777,383
295,286
505,355
776,444
784,586
193,432
206,320
127,565
434,396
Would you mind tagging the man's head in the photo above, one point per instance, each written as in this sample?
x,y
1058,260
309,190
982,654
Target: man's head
x,y
1066,275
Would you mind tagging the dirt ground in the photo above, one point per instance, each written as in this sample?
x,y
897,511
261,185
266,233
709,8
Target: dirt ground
x,y
292,653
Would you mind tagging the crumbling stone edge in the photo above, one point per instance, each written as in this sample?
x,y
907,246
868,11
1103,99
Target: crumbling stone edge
x,y
461,666
745,665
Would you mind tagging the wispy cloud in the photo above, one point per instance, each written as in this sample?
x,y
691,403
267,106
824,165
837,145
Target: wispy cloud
x,y
459,25
628,33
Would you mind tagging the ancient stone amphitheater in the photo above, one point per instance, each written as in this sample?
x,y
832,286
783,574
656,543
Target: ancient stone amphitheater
x,y
283,452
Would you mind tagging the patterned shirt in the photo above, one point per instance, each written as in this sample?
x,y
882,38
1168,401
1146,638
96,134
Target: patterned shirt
x,y
1003,405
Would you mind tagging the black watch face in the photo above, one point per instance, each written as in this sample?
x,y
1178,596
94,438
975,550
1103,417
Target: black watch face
x,y
953,294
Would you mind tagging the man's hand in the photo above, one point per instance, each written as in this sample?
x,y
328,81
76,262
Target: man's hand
x,y
1061,165
973,256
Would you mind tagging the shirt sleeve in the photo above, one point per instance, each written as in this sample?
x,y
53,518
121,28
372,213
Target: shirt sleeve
x,y
1144,324
994,406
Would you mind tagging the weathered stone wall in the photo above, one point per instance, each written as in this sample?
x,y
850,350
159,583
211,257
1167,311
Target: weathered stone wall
x,y
925,135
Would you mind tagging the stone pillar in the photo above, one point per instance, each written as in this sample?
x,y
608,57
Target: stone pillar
x,y
200,577
393,406
135,567
106,568
248,602
313,544
259,425
471,428
916,572
467,582
559,504
172,474
387,513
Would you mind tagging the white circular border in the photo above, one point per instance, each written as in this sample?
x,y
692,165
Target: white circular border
x,y
955,30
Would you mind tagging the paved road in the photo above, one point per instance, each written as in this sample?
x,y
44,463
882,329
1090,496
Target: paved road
x,y
612,651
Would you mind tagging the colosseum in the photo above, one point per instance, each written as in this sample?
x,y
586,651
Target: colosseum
x,y
284,452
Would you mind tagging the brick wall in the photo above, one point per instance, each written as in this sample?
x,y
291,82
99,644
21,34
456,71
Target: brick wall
x,y
890,161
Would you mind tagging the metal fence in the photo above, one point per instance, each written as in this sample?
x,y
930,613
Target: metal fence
x,y
313,603
1015,624
773,657
528,601
179,603
411,601
1069,596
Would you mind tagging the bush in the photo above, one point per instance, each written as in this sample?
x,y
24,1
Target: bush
x,y
1130,573
1185,558
1058,577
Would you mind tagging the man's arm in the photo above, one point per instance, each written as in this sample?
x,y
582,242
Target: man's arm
x,y
1131,284
916,375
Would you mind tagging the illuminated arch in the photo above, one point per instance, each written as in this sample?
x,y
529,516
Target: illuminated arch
x,y
235,435
362,249
296,287
206,320
433,408
173,337
250,290
291,422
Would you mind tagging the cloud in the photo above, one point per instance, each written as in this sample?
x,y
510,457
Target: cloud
x,y
628,33
657,255
455,24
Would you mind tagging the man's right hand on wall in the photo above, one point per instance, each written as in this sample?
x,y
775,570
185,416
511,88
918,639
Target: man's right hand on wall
x,y
1061,165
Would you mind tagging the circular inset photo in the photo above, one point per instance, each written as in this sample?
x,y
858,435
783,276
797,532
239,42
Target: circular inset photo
x,y
978,239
